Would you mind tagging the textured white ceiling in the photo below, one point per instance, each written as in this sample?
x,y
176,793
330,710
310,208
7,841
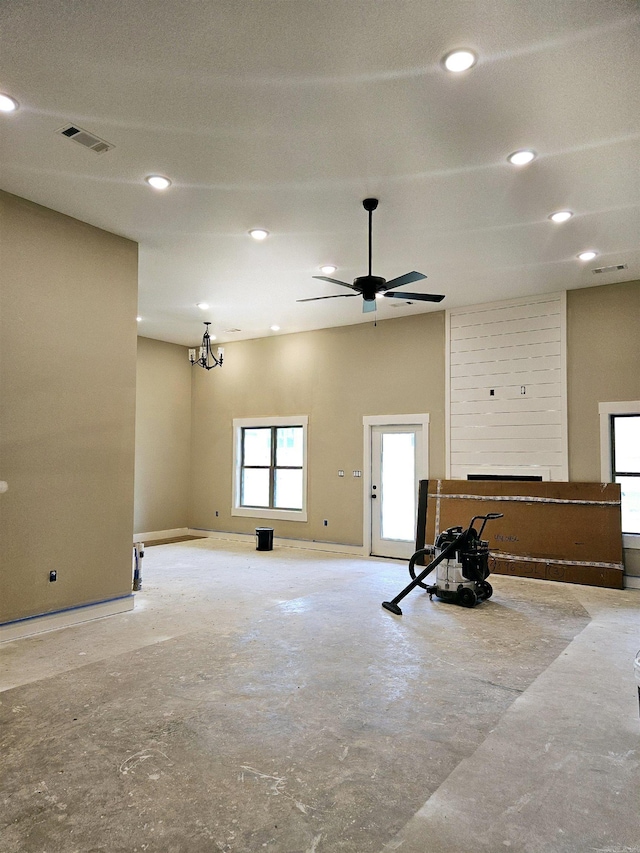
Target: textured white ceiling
x,y
285,114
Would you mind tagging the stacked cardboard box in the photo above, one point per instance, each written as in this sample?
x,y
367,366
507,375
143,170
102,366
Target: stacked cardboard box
x,y
554,531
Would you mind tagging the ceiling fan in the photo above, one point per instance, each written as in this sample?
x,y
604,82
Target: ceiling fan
x,y
369,286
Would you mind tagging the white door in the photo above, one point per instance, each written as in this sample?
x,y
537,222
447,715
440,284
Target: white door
x,y
396,464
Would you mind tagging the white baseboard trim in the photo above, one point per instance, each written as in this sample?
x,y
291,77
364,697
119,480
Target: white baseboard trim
x,y
303,544
160,534
64,618
631,582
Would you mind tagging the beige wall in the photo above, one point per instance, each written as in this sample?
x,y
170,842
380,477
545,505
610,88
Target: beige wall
x,y
163,436
67,420
335,376
338,375
603,364
67,380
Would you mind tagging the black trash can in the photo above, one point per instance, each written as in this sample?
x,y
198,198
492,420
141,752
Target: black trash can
x,y
264,538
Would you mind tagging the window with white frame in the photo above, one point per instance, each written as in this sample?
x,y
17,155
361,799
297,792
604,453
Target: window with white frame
x,y
270,456
620,452
625,467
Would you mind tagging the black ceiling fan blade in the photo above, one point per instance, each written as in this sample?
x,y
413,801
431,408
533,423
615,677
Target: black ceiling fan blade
x,y
335,281
419,297
334,296
407,278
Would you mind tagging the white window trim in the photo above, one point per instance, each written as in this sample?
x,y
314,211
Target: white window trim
x,y
605,410
258,512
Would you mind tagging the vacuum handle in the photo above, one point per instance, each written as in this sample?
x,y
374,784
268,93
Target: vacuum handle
x,y
485,518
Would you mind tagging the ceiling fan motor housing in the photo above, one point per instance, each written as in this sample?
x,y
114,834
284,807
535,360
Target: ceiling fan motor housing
x,y
369,285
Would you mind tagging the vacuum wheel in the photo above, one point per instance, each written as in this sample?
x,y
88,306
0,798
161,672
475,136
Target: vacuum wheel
x,y
487,589
467,597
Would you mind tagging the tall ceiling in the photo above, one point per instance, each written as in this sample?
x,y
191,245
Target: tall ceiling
x,y
286,114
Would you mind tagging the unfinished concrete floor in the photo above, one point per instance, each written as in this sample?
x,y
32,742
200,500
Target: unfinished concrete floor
x,y
264,701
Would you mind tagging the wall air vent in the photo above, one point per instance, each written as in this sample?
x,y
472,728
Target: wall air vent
x,y
86,139
613,268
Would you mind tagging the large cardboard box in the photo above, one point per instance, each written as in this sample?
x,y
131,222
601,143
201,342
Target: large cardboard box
x,y
554,531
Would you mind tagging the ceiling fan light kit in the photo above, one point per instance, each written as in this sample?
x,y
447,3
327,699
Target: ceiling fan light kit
x,y
371,287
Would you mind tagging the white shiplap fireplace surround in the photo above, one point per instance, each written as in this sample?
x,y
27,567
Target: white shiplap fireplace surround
x,y
507,389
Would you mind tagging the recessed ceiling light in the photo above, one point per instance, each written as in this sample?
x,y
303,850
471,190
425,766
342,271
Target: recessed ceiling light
x,y
259,233
459,60
275,328
7,103
202,305
561,216
158,182
522,157
587,256
328,269
139,319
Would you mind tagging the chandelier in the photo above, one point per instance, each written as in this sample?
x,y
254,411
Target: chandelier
x,y
206,358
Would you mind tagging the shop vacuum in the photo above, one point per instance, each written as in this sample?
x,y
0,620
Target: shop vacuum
x,y
462,559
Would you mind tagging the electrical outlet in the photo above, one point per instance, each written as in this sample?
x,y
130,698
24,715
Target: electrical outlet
x,y
217,513
53,576
326,522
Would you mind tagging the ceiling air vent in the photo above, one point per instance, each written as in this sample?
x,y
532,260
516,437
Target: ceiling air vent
x,y
86,139
231,331
613,268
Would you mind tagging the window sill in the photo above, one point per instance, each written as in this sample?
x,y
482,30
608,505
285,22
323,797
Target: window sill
x,y
274,514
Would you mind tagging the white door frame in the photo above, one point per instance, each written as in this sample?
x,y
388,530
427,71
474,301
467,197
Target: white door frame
x,y
369,421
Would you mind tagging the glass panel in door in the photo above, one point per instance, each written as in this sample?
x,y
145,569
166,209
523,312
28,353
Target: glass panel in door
x,y
397,486
394,489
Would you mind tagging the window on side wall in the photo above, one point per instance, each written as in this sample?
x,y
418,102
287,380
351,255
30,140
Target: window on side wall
x,y
620,461
625,468
270,462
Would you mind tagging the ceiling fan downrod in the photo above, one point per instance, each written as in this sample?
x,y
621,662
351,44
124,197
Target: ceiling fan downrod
x,y
370,205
